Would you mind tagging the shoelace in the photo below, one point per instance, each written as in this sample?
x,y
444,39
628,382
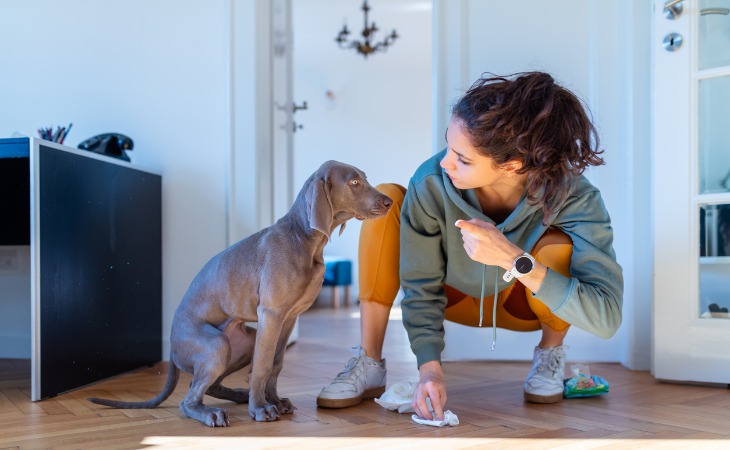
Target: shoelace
x,y
549,362
347,372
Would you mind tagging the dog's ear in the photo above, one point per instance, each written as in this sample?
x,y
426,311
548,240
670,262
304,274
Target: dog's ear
x,y
319,206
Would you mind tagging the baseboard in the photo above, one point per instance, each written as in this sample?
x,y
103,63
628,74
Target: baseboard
x,y
15,347
469,343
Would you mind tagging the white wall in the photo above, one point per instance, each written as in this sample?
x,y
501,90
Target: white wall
x,y
154,70
187,80
601,52
378,114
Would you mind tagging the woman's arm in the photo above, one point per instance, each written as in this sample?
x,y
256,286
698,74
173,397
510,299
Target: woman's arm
x,y
422,269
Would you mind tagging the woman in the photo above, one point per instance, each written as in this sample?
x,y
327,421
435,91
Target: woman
x,y
503,213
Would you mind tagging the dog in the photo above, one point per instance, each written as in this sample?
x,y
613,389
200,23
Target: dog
x,y
270,278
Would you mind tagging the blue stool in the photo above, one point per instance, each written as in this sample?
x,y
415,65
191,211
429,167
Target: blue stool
x,y
338,272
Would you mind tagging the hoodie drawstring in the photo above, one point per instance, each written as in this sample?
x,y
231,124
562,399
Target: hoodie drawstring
x,y
481,297
494,303
494,308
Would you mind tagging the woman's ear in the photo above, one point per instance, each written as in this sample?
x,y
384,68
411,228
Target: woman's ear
x,y
510,168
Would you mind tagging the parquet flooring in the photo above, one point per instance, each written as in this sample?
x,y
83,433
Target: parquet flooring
x,y
639,412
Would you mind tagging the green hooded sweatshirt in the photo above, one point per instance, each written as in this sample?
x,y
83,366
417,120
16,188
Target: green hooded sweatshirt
x,y
432,255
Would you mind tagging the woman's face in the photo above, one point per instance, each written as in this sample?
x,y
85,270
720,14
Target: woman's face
x,y
463,163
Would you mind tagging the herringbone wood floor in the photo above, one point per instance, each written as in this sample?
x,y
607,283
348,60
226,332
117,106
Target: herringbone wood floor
x,y
639,412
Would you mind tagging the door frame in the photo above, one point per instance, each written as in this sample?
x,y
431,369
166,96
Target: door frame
x,y
685,346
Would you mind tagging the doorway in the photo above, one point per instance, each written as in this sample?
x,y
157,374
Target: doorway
x,y
372,112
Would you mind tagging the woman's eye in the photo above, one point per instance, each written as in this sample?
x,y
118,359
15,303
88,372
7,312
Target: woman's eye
x,y
461,161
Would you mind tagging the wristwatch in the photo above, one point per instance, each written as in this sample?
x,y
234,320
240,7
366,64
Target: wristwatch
x,y
522,265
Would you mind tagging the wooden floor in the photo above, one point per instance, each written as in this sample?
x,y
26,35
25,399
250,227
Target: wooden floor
x,y
487,397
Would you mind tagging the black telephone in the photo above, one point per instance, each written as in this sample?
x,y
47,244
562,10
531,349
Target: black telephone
x,y
109,144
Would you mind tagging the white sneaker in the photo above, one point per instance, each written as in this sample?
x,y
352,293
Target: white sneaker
x,y
544,383
362,378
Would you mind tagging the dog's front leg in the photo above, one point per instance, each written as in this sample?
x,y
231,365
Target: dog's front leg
x,y
283,404
267,338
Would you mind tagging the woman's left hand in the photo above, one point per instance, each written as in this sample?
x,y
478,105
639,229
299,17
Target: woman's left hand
x,y
484,243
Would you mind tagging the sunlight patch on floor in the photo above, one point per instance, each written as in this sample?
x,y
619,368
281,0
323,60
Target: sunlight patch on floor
x,y
323,442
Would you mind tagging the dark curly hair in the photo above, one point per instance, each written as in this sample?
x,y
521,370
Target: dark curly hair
x,y
527,117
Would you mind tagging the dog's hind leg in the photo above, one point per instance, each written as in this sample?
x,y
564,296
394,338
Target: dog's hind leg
x,y
209,353
238,395
241,339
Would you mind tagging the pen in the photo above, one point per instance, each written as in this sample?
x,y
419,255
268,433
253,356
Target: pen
x,y
70,124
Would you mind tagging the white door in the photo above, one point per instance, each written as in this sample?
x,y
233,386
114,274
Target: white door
x,y
691,132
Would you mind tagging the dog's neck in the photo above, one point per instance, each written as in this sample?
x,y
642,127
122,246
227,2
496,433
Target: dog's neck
x,y
296,221
340,220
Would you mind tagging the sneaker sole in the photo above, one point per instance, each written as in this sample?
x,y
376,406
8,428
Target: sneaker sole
x,y
336,403
534,398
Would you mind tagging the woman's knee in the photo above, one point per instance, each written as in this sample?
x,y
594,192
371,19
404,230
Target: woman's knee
x,y
375,229
554,250
379,251
552,236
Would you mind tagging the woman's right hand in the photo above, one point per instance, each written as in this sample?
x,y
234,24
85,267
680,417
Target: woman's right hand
x,y
431,385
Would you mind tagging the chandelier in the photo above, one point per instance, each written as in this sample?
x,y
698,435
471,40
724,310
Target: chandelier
x,y
367,46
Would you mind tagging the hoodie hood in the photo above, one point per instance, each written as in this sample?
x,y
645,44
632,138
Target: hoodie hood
x,y
467,201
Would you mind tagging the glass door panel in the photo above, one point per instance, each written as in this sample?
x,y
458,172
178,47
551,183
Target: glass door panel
x,y
714,34
713,156
714,133
714,279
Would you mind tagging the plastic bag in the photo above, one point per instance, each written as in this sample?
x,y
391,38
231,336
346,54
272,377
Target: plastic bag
x,y
583,384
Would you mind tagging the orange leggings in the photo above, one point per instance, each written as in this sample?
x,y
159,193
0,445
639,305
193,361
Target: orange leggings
x,y
379,254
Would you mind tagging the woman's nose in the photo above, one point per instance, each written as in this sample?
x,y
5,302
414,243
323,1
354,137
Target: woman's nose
x,y
446,162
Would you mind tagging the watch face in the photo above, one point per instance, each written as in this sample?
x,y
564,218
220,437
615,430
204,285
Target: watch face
x,y
523,264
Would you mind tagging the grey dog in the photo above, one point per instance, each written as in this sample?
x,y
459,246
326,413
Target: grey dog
x,y
270,278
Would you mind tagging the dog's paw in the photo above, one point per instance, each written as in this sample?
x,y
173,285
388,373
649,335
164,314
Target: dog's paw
x,y
285,406
216,417
266,413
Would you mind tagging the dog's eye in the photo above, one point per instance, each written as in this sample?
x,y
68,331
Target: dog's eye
x,y
354,182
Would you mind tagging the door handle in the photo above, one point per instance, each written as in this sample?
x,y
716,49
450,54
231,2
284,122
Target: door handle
x,y
673,9
706,11
296,107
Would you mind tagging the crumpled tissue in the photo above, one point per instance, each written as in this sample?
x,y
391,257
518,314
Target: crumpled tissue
x,y
399,397
449,419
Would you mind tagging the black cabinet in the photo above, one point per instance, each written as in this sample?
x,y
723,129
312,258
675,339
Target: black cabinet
x,y
93,224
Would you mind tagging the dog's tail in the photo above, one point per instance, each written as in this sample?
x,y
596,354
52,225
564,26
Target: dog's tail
x,y
172,376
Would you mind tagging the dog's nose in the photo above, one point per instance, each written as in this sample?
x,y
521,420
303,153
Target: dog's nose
x,y
385,201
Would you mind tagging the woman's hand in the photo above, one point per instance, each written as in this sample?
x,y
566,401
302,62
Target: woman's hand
x,y
431,385
484,243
